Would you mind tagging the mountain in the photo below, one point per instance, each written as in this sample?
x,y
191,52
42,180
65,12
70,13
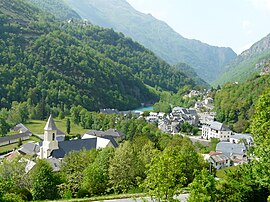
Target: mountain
x,y
58,8
208,61
248,63
235,102
54,64
190,72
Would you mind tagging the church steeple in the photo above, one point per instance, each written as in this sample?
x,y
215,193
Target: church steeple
x,y
50,142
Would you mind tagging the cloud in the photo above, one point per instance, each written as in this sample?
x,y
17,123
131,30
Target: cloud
x,y
245,24
261,4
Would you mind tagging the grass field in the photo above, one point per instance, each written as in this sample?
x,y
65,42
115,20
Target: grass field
x,y
37,126
10,147
221,173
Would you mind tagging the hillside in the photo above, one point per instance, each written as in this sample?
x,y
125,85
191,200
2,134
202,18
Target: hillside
x,y
57,7
55,64
190,72
248,63
208,61
235,103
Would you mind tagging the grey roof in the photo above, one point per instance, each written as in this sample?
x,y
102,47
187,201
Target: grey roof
x,y
50,125
30,148
13,137
242,136
109,111
220,158
55,163
218,126
228,148
22,128
102,134
192,112
114,133
97,133
73,145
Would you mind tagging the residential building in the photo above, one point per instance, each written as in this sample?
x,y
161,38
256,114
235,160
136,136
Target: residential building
x,y
216,130
219,160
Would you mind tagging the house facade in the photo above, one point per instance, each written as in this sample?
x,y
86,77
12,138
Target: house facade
x,y
216,130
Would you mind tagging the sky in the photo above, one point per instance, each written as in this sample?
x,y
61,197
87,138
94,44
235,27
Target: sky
x,y
228,23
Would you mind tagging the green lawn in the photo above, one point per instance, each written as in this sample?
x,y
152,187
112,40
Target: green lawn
x,y
37,126
10,147
221,173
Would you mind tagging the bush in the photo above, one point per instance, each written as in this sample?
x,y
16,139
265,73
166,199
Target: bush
x,y
25,194
83,193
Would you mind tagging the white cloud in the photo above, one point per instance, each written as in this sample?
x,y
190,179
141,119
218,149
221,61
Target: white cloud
x,y
261,4
245,24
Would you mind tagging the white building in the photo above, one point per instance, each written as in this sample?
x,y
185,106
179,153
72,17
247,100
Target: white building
x,y
216,130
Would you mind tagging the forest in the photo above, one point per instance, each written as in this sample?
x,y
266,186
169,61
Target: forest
x,y
235,102
49,63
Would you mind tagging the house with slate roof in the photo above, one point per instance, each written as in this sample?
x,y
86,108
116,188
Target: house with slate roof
x,y
218,160
217,130
236,152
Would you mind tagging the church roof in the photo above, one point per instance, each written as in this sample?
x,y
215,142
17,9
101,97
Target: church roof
x,y
73,145
50,125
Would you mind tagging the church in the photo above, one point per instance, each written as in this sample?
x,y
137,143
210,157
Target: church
x,y
53,146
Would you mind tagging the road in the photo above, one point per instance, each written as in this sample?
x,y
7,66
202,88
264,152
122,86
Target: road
x,y
181,197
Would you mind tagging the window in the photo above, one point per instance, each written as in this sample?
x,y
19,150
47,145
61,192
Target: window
x,y
53,136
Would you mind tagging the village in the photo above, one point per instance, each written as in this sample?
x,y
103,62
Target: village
x,y
231,150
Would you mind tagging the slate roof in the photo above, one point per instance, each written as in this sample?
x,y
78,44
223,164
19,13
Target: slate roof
x,y
114,133
55,163
239,136
228,148
219,157
22,128
73,145
13,137
99,133
50,125
218,126
30,148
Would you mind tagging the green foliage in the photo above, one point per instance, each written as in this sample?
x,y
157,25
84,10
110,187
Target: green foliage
x,y
74,64
124,168
235,104
44,181
96,175
68,125
165,176
4,127
260,130
57,8
208,61
203,188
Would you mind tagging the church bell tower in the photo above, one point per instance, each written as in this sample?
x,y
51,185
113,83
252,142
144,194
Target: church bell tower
x,y
50,142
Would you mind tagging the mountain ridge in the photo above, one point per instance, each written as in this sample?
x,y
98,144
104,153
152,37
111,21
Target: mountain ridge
x,y
156,35
248,63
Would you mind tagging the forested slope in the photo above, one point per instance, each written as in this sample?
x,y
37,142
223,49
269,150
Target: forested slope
x,y
235,103
49,63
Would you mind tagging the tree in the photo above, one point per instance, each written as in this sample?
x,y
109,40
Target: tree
x,y
165,175
96,175
203,187
124,168
260,129
68,125
44,181
4,127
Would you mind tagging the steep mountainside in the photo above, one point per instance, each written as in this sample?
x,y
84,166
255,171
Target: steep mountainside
x,y
58,64
208,61
248,63
235,103
57,7
190,72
